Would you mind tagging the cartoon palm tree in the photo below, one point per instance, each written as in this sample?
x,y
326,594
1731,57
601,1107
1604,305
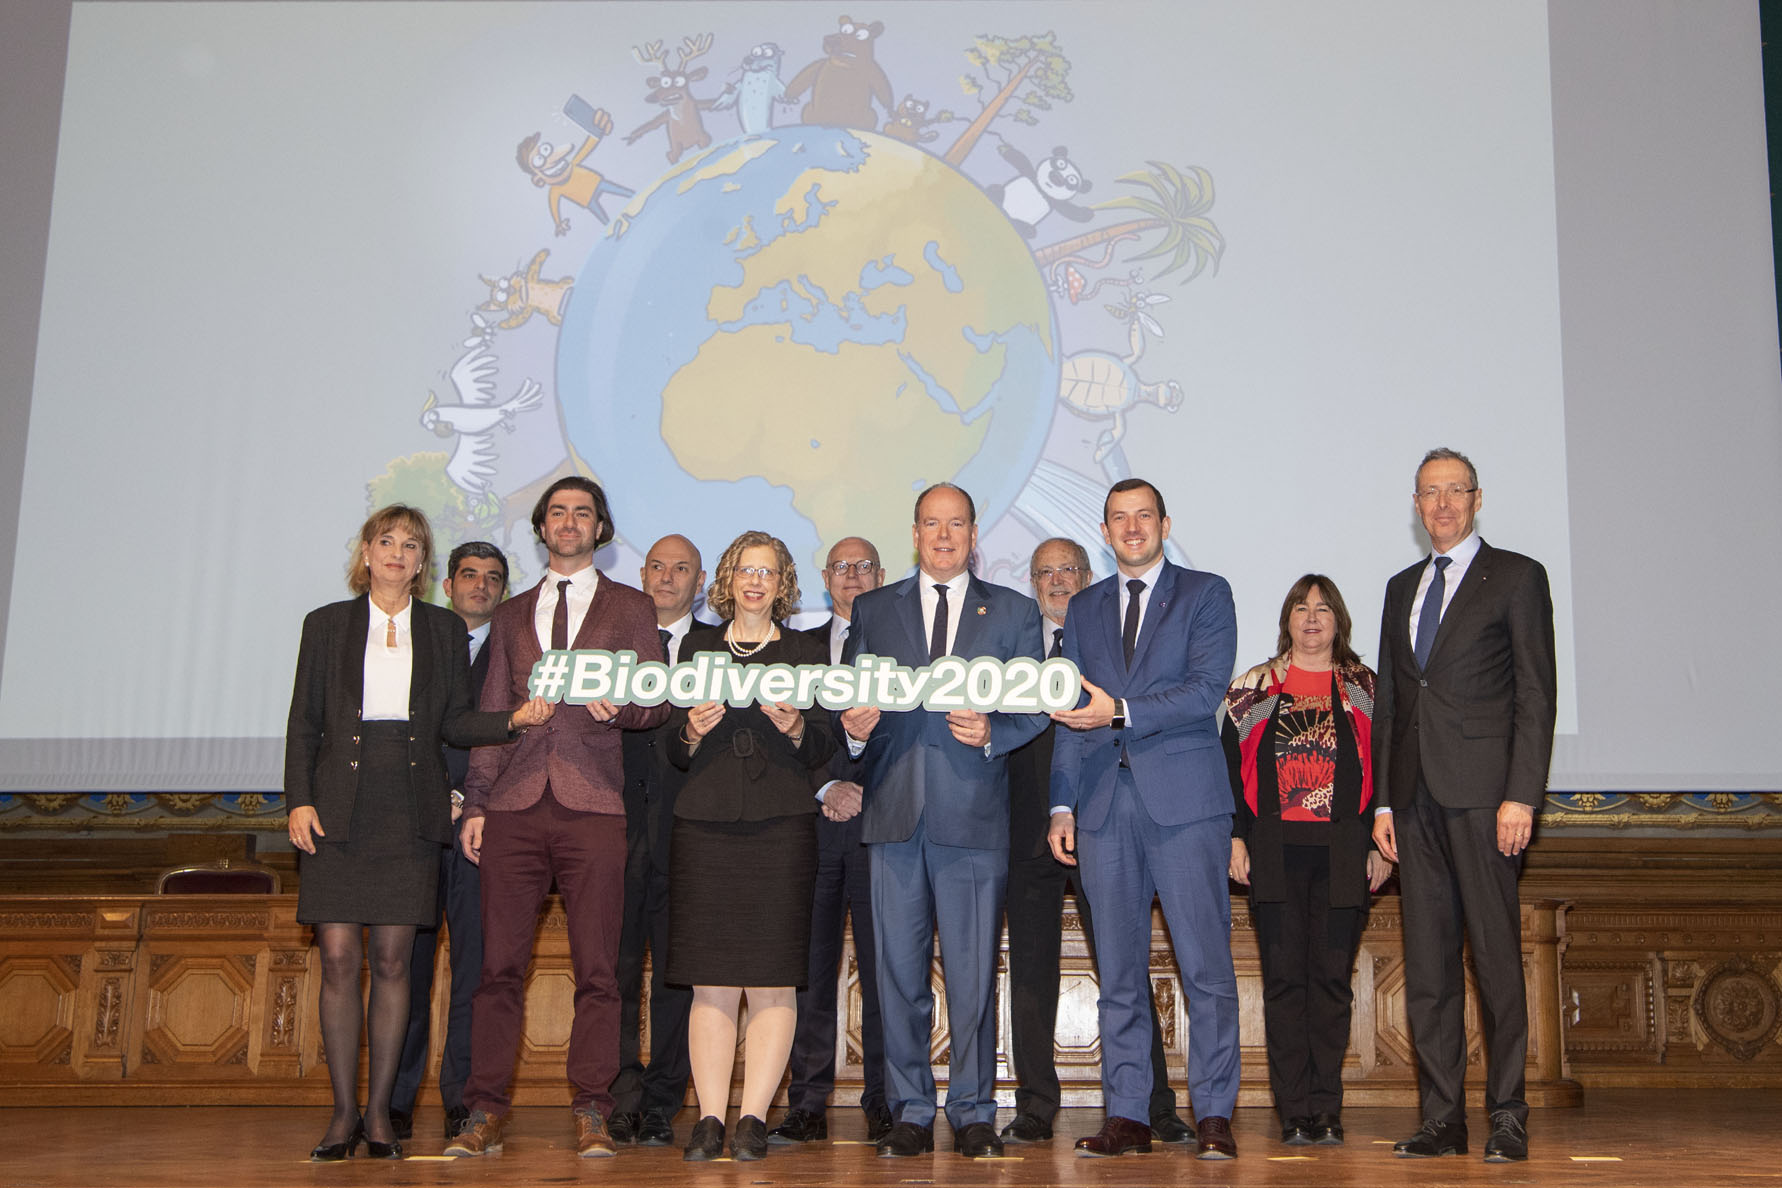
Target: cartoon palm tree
x,y
1177,205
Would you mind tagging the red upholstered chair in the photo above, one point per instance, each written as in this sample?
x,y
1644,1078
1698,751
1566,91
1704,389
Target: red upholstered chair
x,y
221,877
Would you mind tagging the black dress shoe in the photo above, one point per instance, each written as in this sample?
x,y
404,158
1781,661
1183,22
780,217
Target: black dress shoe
x,y
799,1126
1215,1137
977,1141
403,1123
1169,1128
389,1150
456,1119
1297,1132
623,1126
749,1140
1327,1130
878,1121
656,1129
1509,1139
1027,1128
906,1140
1433,1138
706,1141
335,1152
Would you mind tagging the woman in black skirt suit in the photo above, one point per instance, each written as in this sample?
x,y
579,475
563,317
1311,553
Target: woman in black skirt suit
x,y
381,680
743,859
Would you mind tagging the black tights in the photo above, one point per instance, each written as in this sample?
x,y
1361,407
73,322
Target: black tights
x,y
342,956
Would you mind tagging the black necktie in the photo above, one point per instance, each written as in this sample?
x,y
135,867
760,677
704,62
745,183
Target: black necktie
x,y
1129,631
1431,616
1057,643
937,640
560,619
666,635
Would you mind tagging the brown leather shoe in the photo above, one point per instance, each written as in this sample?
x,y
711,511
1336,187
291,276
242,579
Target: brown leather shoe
x,y
1215,1137
1118,1136
592,1139
481,1136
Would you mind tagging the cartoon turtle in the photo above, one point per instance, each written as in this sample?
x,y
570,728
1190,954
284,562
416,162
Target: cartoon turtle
x,y
1098,384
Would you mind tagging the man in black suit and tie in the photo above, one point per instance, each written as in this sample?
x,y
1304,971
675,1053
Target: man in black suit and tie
x,y
646,1097
476,580
843,888
1463,732
1037,883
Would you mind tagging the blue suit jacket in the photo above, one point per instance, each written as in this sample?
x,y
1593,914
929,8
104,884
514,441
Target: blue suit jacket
x,y
1187,647
913,769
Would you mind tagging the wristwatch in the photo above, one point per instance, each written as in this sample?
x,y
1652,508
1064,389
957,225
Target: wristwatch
x,y
1119,722
457,798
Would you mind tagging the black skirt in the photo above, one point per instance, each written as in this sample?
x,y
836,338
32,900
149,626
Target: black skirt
x,y
386,874
739,896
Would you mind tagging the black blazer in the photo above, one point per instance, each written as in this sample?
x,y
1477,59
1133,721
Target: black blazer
x,y
841,765
457,759
745,769
322,733
1477,726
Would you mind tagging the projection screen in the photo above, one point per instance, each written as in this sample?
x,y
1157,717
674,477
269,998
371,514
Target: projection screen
x,y
272,265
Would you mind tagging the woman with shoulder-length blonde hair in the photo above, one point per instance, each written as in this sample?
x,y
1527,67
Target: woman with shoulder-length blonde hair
x,y
743,860
382,680
1297,736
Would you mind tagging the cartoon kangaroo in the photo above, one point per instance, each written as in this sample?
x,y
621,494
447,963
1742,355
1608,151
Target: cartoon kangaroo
x,y
669,91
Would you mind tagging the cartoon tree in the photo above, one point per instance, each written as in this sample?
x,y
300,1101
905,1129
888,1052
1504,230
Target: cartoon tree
x,y
419,480
1006,64
1177,206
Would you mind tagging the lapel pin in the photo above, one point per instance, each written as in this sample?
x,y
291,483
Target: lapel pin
x,y
983,610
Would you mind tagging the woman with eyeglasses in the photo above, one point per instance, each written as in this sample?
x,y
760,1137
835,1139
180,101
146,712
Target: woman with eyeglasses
x,y
1297,734
744,851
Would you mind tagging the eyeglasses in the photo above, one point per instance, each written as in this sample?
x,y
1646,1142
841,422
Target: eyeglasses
x,y
1047,573
756,571
861,568
1453,493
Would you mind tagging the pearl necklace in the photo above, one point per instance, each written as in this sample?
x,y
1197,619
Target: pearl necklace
x,y
737,650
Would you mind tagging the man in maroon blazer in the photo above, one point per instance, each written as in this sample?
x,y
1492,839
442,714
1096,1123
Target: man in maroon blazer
x,y
550,806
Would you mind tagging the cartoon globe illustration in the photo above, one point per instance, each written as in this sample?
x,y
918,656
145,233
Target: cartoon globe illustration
x,y
797,332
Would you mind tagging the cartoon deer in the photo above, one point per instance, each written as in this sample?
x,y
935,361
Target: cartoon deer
x,y
669,91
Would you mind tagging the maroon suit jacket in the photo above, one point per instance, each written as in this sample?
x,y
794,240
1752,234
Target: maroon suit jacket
x,y
579,757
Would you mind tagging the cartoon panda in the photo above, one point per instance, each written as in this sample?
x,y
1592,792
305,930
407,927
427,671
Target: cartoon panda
x,y
1037,192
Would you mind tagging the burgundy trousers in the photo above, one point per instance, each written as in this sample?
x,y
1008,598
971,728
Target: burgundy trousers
x,y
522,853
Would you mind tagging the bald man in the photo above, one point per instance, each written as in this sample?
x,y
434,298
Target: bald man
x,y
647,1097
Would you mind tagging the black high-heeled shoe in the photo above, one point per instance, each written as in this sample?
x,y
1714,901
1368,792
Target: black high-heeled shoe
x,y
389,1150
335,1152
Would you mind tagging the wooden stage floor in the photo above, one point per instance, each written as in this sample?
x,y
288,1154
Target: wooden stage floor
x,y
1619,1138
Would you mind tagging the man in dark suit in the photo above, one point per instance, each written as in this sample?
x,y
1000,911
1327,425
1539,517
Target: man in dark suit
x,y
551,807
937,824
843,888
476,580
1463,732
1140,794
1037,883
646,1097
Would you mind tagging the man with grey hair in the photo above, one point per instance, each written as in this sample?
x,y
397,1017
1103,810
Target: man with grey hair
x,y
1463,732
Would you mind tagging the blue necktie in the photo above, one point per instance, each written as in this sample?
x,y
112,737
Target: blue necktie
x,y
1431,616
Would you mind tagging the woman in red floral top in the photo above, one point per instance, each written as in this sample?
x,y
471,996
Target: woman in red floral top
x,y
1297,738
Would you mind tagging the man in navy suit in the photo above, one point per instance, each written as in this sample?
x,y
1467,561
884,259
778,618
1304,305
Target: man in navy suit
x,y
476,580
1463,731
1140,795
937,823
843,890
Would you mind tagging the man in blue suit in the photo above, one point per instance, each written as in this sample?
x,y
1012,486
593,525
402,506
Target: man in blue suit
x,y
1140,795
936,820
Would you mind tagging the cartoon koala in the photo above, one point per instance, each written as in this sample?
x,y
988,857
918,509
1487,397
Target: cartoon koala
x,y
1039,191
910,122
845,81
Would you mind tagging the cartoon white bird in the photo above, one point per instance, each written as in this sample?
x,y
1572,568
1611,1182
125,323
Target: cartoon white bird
x,y
474,418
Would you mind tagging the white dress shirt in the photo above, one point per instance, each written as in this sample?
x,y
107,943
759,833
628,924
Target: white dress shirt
x,y
581,596
1459,558
838,638
677,631
931,603
387,669
478,637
